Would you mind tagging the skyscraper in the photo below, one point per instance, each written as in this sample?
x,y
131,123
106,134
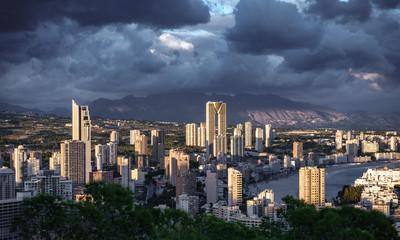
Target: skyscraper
x,y
220,145
55,162
7,183
238,131
20,161
312,185
213,108
297,150
33,166
339,139
234,187
268,135
201,135
362,136
185,184
191,134
133,135
211,186
177,163
37,155
259,139
100,154
81,131
114,137
237,147
248,135
125,172
111,153
73,161
393,144
158,142
141,152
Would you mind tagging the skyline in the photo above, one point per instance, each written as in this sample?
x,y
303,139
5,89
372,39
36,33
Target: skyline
x,y
343,55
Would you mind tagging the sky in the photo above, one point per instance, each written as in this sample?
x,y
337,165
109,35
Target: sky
x,y
340,54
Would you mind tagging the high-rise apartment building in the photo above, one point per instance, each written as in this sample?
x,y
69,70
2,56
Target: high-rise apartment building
x,y
369,147
211,186
297,150
133,135
7,183
220,145
20,160
191,134
362,136
234,187
176,163
141,152
125,176
201,135
238,131
312,185
33,166
111,153
55,162
185,184
349,135
213,108
158,142
82,131
259,139
100,155
268,135
73,161
393,144
339,139
46,181
237,147
248,135
114,137
37,155
352,149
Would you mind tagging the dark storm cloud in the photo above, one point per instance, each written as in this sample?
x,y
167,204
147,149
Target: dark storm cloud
x,y
26,14
370,46
341,11
264,26
339,49
387,4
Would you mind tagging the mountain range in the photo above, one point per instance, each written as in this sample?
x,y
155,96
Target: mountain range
x,y
259,109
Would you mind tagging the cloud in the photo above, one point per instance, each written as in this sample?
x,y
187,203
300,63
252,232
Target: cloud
x,y
263,46
265,26
387,4
172,42
341,11
27,14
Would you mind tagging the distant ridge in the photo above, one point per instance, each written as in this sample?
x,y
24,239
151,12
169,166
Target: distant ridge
x,y
190,107
259,109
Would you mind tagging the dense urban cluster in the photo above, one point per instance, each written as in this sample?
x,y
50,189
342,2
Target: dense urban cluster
x,y
160,166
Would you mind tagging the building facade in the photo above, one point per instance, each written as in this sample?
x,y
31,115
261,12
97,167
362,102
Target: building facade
x,y
82,131
312,185
213,108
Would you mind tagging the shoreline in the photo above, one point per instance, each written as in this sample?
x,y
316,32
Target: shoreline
x,y
335,178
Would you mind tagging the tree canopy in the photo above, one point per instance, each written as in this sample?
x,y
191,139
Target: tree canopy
x,y
108,212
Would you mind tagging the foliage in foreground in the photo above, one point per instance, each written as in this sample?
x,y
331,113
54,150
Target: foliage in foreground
x,y
108,213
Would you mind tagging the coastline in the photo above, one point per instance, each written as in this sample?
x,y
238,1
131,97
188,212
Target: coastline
x,y
335,178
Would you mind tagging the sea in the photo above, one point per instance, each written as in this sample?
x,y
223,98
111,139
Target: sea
x,y
336,176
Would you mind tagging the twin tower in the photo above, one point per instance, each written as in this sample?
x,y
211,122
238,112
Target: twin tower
x,y
213,109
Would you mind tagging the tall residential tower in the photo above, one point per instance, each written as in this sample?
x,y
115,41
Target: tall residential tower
x,y
213,108
81,131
